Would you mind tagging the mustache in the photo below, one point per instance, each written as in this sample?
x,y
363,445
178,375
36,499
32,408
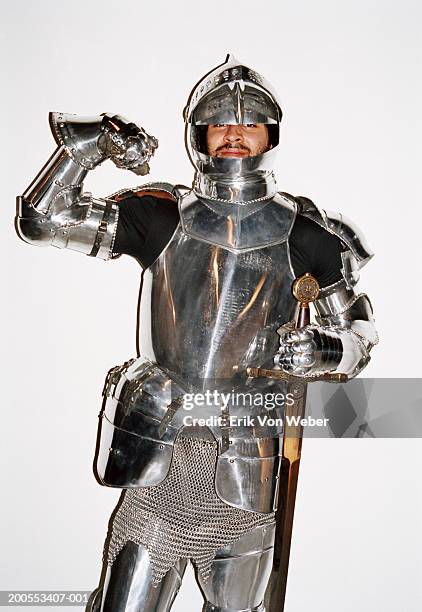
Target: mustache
x,y
227,147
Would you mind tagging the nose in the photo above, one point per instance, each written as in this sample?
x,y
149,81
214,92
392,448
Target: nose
x,y
233,133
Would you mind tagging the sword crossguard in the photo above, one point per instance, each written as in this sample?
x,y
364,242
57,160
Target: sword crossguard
x,y
280,374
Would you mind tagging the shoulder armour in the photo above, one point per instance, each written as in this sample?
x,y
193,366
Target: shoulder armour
x,y
157,189
357,253
339,225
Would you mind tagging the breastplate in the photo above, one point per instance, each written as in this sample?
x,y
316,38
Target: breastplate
x,y
210,306
212,301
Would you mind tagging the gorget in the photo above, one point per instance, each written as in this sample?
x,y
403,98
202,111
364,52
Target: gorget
x,y
212,301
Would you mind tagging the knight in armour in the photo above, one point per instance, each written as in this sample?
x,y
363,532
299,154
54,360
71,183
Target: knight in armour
x,y
218,263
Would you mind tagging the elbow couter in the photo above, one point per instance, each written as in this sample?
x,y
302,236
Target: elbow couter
x,y
31,226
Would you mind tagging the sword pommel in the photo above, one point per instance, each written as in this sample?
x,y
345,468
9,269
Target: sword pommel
x,y
305,289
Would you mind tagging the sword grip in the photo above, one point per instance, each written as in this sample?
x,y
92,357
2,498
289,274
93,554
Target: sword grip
x,y
303,315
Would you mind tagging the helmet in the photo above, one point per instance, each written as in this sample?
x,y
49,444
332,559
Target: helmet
x,y
232,94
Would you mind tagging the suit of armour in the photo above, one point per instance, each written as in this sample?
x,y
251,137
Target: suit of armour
x,y
218,263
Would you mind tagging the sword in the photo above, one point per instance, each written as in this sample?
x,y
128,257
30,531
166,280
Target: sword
x,y
305,289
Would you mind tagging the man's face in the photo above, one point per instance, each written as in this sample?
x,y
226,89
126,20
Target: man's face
x,y
238,140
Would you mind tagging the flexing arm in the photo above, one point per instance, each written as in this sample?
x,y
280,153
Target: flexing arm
x,y
54,210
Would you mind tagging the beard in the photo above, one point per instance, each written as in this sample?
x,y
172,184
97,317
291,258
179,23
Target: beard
x,y
219,151
240,147
226,148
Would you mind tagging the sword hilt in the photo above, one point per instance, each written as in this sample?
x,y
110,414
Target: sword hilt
x,y
306,290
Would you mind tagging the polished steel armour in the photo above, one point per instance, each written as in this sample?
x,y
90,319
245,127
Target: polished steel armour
x,y
183,517
211,305
212,301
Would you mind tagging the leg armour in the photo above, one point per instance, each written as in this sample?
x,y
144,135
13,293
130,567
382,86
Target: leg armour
x,y
128,584
182,517
240,573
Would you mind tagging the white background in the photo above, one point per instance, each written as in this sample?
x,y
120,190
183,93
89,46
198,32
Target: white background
x,y
348,74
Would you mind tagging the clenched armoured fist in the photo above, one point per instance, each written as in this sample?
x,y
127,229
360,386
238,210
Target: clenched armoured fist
x,y
297,351
127,145
91,140
308,350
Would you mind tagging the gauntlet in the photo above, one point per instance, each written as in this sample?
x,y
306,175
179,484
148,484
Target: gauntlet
x,y
340,342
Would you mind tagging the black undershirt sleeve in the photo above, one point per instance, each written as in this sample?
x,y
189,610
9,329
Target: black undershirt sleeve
x,y
313,249
145,226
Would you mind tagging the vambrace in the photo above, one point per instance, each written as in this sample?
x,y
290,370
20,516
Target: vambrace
x,y
346,331
55,211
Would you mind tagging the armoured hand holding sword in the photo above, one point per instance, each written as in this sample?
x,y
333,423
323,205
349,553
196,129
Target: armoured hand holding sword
x,y
219,261
298,352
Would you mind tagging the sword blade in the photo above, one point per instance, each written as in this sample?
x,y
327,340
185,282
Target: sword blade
x,y
288,479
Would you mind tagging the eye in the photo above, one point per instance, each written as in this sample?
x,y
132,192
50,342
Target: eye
x,y
250,125
219,125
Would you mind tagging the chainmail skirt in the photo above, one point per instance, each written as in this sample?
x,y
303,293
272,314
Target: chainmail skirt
x,y
182,517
